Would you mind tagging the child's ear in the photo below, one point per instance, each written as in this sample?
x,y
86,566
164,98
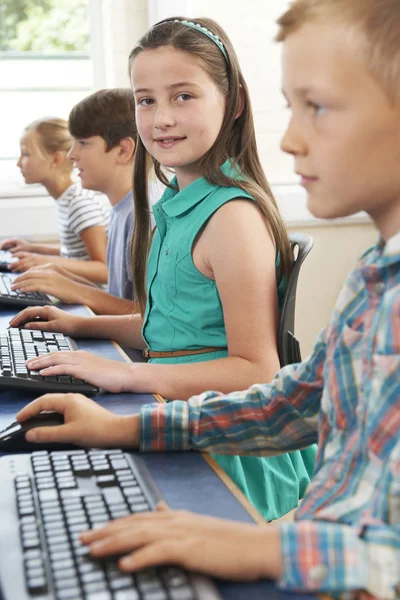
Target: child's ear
x,y
242,102
126,149
58,158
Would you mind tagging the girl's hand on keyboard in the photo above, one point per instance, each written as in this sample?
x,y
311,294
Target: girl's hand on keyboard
x,y
213,546
46,280
16,245
85,423
27,260
54,319
110,375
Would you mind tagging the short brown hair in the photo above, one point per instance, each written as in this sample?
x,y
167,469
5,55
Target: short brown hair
x,y
108,113
377,20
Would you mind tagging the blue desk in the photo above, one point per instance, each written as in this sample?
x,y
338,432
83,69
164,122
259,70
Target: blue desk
x,y
185,480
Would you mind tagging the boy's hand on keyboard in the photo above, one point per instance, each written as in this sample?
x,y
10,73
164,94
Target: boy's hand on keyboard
x,y
54,319
27,260
213,546
16,245
85,423
46,280
110,375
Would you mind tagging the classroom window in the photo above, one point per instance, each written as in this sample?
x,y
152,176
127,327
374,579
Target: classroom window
x,y
45,68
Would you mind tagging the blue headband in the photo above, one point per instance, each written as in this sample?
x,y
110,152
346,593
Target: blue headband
x,y
213,37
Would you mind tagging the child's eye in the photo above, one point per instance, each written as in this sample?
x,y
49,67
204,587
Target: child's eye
x,y
82,142
184,97
316,108
146,102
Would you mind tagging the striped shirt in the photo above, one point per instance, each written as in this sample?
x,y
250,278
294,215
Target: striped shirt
x,y
346,396
77,210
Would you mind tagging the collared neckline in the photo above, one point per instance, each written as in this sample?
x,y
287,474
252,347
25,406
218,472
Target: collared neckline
x,y
175,202
379,259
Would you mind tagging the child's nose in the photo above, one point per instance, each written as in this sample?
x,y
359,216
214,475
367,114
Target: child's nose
x,y
164,117
71,154
292,142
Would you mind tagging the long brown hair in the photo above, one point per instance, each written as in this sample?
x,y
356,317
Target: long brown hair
x,y
236,141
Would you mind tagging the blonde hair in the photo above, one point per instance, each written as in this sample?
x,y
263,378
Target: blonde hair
x,y
378,21
52,135
236,141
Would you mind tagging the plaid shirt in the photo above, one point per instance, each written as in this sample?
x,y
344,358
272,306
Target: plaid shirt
x,y
346,396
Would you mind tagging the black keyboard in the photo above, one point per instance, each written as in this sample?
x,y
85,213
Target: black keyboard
x,y
17,298
6,260
47,499
19,345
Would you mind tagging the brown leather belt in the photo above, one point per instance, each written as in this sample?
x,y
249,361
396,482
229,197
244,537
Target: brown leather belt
x,y
154,354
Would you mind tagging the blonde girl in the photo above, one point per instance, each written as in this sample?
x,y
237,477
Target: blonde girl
x,y
83,217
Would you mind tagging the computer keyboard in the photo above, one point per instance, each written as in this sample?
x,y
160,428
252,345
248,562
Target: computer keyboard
x,y
17,298
47,499
18,345
6,260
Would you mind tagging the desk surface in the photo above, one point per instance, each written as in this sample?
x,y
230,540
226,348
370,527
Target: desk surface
x,y
185,479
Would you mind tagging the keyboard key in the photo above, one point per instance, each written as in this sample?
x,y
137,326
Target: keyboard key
x,y
106,480
35,573
120,583
62,583
127,595
37,585
157,595
184,593
113,495
92,588
73,593
99,596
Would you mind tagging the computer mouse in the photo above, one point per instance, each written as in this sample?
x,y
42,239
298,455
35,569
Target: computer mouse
x,y
31,320
12,439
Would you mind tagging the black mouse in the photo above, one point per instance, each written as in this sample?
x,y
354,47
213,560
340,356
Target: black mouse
x,y
12,439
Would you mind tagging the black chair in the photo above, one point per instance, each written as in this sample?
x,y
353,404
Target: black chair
x,y
288,345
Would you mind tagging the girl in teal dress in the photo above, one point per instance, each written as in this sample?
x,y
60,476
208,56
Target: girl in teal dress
x,y
210,288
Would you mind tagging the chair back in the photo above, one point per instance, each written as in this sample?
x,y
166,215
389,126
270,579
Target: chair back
x,y
288,345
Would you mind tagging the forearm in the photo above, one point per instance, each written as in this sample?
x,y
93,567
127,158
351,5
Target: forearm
x,y
261,421
103,303
53,250
184,380
124,329
77,278
94,270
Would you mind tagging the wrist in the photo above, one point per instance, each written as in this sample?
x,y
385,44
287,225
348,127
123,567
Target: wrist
x,y
134,380
272,561
128,434
83,293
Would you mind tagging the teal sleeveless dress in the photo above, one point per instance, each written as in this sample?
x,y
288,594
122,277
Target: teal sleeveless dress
x,y
184,311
